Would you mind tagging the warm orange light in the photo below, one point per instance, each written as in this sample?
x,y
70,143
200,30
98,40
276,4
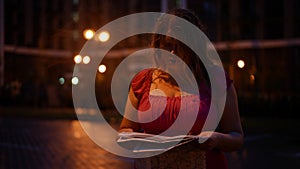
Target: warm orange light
x,y
241,64
88,33
252,77
77,59
102,68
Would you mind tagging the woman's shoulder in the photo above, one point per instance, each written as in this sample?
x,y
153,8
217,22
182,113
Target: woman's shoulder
x,y
141,81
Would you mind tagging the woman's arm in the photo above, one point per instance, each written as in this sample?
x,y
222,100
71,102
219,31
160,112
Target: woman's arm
x,y
231,136
130,111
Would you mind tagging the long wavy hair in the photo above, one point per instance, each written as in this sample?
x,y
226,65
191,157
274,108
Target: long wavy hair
x,y
179,48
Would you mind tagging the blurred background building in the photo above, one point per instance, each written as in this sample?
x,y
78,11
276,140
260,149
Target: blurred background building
x,y
257,40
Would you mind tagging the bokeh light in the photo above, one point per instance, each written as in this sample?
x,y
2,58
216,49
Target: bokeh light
x,y
77,59
104,36
252,77
75,80
86,59
241,64
61,80
88,33
102,68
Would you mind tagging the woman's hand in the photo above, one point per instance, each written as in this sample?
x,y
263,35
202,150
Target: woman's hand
x,y
230,136
231,141
126,130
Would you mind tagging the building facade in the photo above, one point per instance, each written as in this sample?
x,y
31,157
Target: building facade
x,y
41,37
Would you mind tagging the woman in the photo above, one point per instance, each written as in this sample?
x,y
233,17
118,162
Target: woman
x,y
143,94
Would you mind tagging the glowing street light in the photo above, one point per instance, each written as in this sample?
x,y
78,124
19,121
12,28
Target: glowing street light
x,y
104,36
77,59
252,77
75,80
86,59
241,64
102,68
88,33
61,81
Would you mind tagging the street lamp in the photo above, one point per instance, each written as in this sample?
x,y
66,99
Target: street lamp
x,y
88,34
86,59
75,80
77,59
61,80
102,68
252,79
103,36
241,64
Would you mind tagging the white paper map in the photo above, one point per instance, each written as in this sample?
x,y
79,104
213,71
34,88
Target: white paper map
x,y
143,142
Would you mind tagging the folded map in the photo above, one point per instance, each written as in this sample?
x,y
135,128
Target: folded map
x,y
143,142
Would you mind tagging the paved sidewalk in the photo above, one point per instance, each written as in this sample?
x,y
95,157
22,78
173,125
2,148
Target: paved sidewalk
x,y
28,143
49,144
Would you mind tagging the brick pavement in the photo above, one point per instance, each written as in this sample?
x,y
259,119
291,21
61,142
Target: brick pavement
x,y
49,144
61,144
